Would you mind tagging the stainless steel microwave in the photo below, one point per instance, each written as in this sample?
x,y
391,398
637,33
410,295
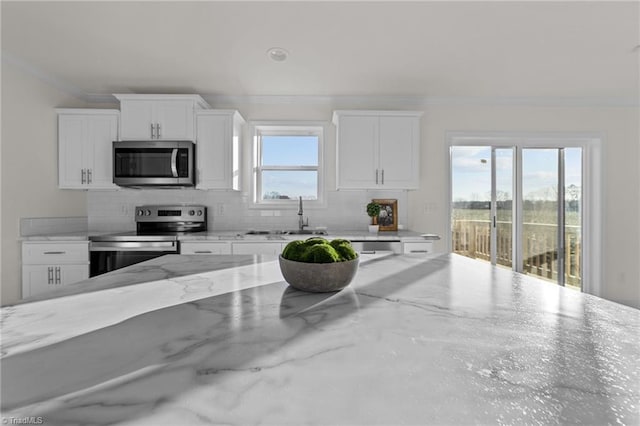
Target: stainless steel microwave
x,y
154,163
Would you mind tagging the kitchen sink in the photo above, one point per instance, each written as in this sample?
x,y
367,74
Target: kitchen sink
x,y
306,232
288,232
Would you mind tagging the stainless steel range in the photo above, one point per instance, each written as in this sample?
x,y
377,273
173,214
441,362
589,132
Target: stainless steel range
x,y
157,231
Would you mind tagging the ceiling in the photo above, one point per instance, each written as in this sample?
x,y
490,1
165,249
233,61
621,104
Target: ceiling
x,y
419,48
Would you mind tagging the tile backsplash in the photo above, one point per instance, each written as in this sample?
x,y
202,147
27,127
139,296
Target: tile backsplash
x,y
30,226
228,210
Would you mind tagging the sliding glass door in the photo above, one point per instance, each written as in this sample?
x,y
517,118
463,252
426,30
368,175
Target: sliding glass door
x,y
519,208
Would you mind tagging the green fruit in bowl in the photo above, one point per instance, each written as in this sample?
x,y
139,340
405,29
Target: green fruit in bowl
x,y
319,250
294,250
344,249
321,253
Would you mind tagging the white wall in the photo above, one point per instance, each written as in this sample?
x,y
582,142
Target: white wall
x,y
30,165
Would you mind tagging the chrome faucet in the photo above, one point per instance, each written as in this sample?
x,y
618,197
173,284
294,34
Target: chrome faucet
x,y
301,221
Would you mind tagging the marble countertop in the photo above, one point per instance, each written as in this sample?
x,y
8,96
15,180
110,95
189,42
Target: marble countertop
x,y
241,235
443,340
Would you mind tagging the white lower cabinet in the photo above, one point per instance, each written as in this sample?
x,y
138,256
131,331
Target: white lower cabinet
x,y
205,247
267,247
49,265
418,247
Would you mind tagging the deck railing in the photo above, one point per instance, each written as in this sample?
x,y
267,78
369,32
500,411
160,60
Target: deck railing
x,y
472,238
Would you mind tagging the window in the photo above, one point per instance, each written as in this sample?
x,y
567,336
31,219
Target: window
x,y
287,163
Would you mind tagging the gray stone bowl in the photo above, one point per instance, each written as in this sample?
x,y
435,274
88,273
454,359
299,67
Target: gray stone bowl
x,y
318,277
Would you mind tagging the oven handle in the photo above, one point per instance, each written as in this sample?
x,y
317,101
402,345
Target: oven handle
x,y
168,246
174,162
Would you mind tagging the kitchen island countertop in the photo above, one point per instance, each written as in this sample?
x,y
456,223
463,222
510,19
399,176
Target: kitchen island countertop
x,y
203,340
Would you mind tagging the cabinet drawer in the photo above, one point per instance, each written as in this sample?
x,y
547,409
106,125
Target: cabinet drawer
x,y
205,248
55,252
418,248
258,248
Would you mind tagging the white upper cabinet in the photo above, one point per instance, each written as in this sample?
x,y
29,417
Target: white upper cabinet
x,y
377,149
218,138
85,139
158,117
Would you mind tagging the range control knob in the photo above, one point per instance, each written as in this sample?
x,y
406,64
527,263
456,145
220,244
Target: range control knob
x,y
147,212
199,212
140,212
191,212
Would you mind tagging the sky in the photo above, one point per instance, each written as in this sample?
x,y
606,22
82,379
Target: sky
x,y
471,172
290,151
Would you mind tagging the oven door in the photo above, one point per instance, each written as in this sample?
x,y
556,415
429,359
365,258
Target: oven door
x,y
107,256
165,163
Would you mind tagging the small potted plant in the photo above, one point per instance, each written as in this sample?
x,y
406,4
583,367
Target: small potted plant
x,y
373,210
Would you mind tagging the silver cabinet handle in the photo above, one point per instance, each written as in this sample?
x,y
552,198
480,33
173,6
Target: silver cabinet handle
x,y
376,176
202,251
368,252
50,275
158,130
419,251
383,176
83,176
174,162
89,175
54,252
58,280
153,131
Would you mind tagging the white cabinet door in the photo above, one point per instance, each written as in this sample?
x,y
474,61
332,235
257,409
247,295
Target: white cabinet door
x,y
258,248
137,120
218,135
84,148
175,120
42,278
399,152
205,247
72,136
103,130
377,149
357,152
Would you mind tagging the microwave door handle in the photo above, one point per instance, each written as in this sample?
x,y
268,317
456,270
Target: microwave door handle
x,y
174,162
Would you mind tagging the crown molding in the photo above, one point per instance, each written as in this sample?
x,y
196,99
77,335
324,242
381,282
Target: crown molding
x,y
373,101
341,101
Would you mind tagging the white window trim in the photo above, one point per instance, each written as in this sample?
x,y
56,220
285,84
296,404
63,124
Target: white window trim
x,y
591,144
284,128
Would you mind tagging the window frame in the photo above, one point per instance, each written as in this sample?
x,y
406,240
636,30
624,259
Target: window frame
x,y
285,128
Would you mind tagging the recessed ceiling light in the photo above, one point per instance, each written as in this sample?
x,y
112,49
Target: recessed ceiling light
x,y
278,54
